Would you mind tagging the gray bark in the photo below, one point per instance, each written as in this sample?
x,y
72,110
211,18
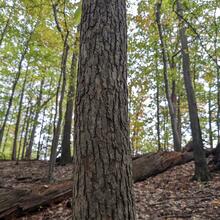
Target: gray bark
x,y
102,164
201,169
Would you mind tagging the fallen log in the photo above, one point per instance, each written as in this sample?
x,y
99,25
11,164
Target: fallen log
x,y
153,164
16,203
20,202
156,163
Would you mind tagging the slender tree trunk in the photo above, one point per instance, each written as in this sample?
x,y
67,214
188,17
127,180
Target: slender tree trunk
x,y
35,123
22,132
179,118
4,31
14,149
102,164
57,128
49,133
26,132
218,73
210,118
172,112
66,143
41,132
201,169
158,107
14,87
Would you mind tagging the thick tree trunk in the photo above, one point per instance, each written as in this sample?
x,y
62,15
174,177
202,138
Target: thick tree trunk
x,y
201,170
66,142
102,164
172,112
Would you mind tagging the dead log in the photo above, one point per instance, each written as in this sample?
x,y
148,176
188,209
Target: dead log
x,y
20,202
153,164
14,203
156,163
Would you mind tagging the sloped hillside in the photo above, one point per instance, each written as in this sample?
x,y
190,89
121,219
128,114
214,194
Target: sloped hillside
x,y
169,195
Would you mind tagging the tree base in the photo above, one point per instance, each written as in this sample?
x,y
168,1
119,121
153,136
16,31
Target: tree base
x,y
202,175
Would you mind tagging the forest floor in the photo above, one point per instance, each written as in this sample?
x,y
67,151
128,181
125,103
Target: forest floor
x,y
169,195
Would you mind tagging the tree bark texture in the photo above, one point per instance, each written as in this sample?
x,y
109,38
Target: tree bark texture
x,y
102,164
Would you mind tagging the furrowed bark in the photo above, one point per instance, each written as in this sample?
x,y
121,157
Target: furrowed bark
x,y
102,164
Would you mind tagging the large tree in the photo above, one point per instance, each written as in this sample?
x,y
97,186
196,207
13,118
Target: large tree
x,y
102,164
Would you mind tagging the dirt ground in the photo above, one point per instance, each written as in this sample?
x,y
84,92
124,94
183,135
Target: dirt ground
x,y
170,195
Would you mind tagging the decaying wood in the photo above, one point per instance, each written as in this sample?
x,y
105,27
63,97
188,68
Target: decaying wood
x,y
19,202
150,165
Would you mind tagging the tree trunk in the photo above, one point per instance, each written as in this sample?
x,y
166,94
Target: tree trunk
x,y
218,71
33,131
26,132
22,132
4,31
14,87
158,107
176,138
102,164
49,131
201,170
66,143
179,118
57,127
14,149
210,117
39,145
